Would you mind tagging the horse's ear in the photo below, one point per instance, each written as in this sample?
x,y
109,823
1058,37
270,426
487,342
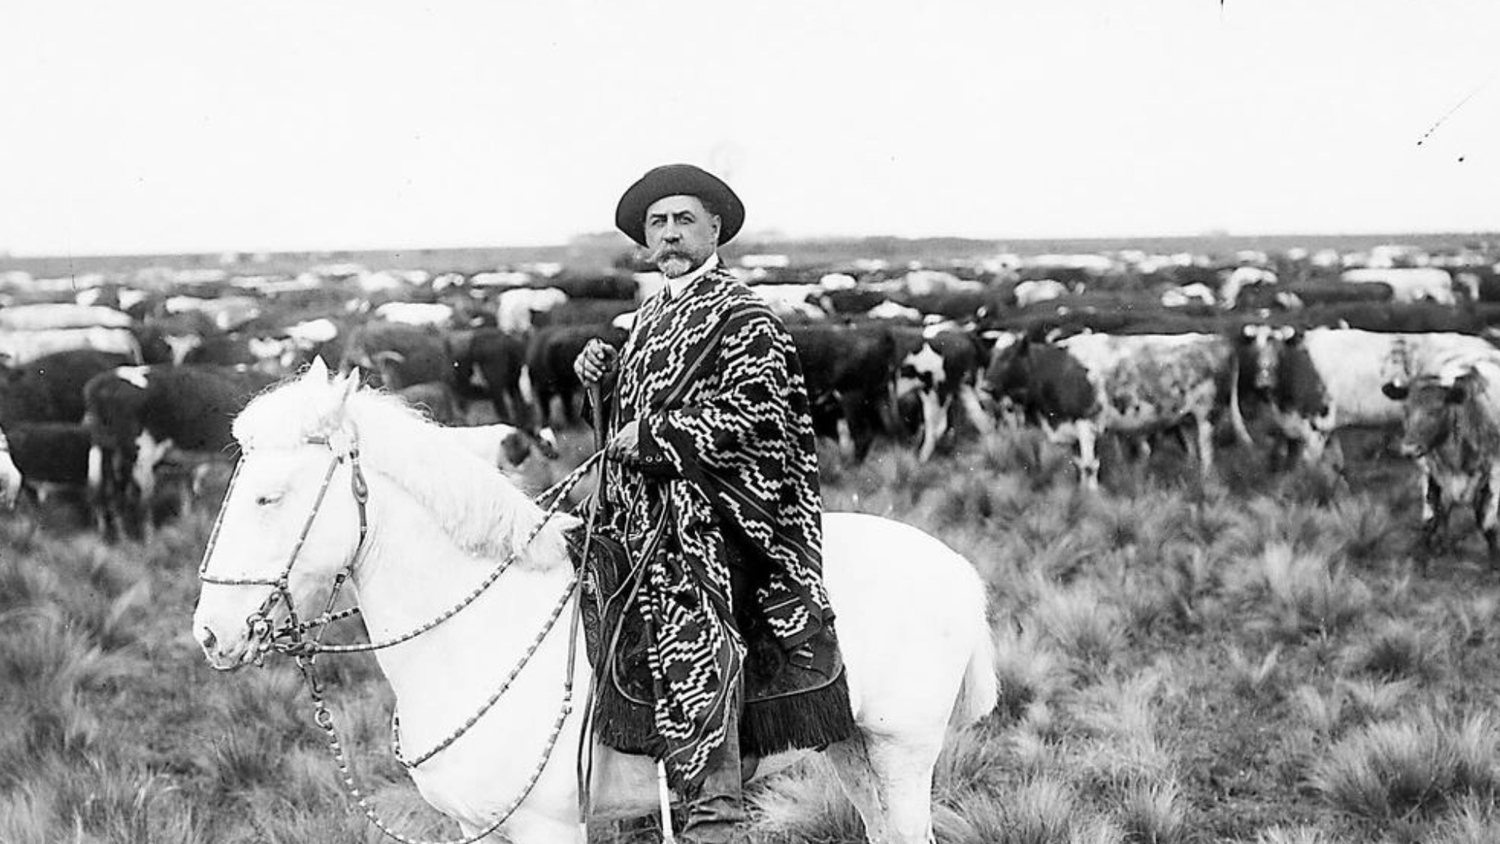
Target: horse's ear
x,y
350,385
318,370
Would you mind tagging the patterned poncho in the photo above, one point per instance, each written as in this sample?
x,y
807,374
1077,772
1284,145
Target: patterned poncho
x,y
726,454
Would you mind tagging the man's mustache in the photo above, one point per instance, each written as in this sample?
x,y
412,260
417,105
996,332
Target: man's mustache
x,y
664,252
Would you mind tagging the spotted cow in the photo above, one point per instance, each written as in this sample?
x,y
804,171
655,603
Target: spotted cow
x,y
1452,429
939,367
1325,379
1087,385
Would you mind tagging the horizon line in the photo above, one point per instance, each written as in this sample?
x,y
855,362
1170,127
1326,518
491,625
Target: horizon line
x,y
759,239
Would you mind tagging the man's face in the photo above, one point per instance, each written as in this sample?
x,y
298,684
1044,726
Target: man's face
x,y
681,234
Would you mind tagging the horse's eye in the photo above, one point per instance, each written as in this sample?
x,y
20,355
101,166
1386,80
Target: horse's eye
x,y
268,499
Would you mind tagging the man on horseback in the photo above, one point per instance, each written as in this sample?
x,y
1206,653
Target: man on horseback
x,y
712,488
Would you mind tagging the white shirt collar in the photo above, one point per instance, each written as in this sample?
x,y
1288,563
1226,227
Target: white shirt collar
x,y
680,284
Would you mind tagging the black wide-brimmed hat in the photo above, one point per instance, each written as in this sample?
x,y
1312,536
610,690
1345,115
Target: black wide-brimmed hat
x,y
678,180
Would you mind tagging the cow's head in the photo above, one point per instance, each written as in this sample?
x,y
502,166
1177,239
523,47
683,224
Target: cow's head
x,y
1005,376
1437,408
1265,347
921,372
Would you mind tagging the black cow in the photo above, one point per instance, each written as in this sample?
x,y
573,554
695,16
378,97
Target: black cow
x,y
853,301
489,363
50,388
222,349
46,456
549,370
139,416
1310,294
849,372
584,312
1050,386
421,354
1410,317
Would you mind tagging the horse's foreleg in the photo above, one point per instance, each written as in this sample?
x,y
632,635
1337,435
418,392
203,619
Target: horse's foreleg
x,y
853,769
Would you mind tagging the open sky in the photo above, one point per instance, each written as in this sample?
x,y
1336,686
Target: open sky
x,y
162,126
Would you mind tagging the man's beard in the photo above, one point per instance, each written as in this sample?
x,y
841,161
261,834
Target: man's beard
x,y
674,264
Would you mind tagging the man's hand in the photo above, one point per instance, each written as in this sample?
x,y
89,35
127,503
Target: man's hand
x,y
625,444
597,360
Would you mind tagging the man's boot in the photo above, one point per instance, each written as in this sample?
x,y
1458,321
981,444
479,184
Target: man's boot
x,y
717,816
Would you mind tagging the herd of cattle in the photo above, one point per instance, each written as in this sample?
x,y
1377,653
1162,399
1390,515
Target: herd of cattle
x,y
126,396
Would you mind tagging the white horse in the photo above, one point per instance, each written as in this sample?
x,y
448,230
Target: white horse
x,y
911,615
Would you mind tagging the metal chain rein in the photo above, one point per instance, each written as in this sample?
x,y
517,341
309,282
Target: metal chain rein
x,y
305,652
290,641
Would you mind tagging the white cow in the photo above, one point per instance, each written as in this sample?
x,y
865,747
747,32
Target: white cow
x,y
45,316
1190,294
1408,284
416,313
1040,290
792,299
515,308
21,347
1240,278
225,312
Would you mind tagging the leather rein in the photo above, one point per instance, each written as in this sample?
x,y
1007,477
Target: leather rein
x,y
303,640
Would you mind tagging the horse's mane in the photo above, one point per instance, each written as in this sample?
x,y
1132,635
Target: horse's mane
x,y
479,508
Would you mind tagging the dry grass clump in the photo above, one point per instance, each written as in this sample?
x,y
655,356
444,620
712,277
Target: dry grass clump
x,y
1398,649
1030,671
1116,745
1364,529
1472,820
1155,812
1249,677
1179,590
49,670
99,801
804,803
1292,835
1041,811
1411,768
1377,700
1293,595
1085,628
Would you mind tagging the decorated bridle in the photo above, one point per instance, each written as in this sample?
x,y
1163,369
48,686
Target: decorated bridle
x,y
292,637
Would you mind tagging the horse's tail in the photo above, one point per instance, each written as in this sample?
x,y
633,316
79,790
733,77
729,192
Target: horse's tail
x,y
981,688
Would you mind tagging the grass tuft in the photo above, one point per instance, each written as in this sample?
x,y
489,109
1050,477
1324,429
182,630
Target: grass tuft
x,y
1088,630
1413,768
1155,812
1395,650
1300,595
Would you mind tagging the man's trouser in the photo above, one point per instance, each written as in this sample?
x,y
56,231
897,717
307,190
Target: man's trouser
x,y
719,810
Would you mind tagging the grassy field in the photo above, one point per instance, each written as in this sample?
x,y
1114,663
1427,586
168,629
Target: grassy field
x,y
1257,659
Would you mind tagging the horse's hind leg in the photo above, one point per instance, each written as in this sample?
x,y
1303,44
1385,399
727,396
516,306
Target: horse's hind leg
x,y
889,780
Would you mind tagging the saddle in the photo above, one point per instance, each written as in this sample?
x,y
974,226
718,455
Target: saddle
x,y
788,705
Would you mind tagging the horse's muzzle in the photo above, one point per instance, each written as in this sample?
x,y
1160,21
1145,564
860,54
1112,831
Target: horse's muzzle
x,y
221,657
